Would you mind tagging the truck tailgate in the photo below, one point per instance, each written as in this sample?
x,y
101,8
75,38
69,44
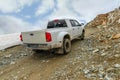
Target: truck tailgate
x,y
34,37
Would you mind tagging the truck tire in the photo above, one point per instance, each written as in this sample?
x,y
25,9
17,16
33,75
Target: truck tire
x,y
83,35
66,46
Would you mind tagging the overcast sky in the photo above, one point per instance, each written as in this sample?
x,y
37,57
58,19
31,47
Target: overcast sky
x,y
22,15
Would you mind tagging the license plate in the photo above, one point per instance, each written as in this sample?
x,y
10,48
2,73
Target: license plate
x,y
33,45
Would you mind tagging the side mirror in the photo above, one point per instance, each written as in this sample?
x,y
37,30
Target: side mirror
x,y
82,23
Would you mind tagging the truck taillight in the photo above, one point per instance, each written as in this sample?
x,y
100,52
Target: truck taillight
x,y
48,37
21,37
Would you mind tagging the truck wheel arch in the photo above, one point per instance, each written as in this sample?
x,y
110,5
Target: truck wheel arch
x,y
65,40
62,36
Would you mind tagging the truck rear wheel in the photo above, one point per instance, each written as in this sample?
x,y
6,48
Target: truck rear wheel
x,y
66,46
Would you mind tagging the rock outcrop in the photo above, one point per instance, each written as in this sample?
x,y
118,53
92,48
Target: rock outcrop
x,y
109,19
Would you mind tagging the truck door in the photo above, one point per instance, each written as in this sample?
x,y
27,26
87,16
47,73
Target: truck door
x,y
76,28
79,28
73,28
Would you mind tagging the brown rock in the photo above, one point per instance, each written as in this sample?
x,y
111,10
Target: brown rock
x,y
116,36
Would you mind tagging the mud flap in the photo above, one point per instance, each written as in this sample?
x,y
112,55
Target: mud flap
x,y
60,51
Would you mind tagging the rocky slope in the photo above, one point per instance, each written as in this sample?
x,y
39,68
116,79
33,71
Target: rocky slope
x,y
107,26
107,41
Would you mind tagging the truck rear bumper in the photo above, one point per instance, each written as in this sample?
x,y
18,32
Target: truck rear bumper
x,y
42,46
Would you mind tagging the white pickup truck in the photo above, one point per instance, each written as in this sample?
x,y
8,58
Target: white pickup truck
x,y
56,37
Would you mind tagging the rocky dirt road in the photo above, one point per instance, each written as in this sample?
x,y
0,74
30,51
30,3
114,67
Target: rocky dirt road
x,y
88,60
19,63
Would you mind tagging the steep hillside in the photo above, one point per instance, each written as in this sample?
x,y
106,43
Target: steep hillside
x,y
107,26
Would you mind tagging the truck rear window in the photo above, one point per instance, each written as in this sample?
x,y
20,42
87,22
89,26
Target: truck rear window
x,y
56,24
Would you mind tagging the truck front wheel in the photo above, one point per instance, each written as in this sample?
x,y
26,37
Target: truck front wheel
x,y
66,45
83,35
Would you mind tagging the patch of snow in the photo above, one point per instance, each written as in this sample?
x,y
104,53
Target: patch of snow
x,y
9,40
